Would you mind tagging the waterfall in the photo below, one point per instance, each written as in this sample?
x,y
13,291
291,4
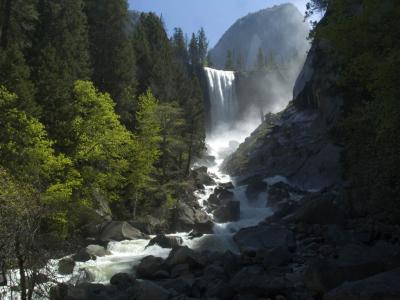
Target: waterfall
x,y
224,109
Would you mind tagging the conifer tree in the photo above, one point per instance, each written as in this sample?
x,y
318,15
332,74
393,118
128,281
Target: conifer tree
x,y
229,64
202,46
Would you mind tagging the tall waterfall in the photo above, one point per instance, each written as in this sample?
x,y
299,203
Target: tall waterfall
x,y
224,110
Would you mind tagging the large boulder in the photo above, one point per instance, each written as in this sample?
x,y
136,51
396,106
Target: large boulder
x,y
122,281
149,267
230,212
204,227
323,275
277,193
220,197
165,241
97,251
201,177
84,291
185,217
265,237
318,209
383,286
253,190
119,231
147,290
184,255
66,266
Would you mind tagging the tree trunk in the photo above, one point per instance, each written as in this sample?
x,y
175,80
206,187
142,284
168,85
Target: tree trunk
x,y
21,268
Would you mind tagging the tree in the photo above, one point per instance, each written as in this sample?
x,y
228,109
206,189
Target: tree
x,y
194,54
240,63
112,54
147,152
27,153
60,57
229,64
202,46
179,46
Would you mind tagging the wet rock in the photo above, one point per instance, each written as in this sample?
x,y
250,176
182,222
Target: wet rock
x,y
165,241
201,177
149,266
231,263
97,251
119,231
184,255
230,212
277,193
122,281
83,255
180,270
383,286
66,266
226,185
147,290
318,209
253,190
265,237
179,285
220,197
186,217
82,292
204,227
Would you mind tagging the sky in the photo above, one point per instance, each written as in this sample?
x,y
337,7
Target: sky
x,y
216,16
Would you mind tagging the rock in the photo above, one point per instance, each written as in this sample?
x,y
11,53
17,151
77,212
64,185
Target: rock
x,y
253,190
147,290
383,286
323,275
81,292
276,257
180,285
83,256
277,193
254,280
204,227
119,231
152,224
97,251
201,177
227,185
318,209
180,270
149,266
220,197
230,212
265,237
231,263
185,217
122,281
184,255
165,241
66,266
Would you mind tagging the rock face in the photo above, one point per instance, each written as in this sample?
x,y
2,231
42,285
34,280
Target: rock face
x,y
229,212
165,241
296,143
281,24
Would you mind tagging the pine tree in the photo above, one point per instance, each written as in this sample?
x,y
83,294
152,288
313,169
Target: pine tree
x,y
60,58
194,51
112,54
179,46
240,63
202,46
260,64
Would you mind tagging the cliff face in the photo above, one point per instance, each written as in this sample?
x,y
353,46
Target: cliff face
x,y
279,31
296,142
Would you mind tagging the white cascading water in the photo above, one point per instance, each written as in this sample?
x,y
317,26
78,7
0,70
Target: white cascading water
x,y
224,137
224,106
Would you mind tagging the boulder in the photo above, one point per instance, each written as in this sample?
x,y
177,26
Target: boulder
x,y
184,255
220,197
276,257
201,177
265,237
147,290
122,281
66,266
149,266
254,280
165,241
253,190
323,275
83,256
119,231
81,292
277,193
318,209
204,227
179,285
97,251
383,286
230,212
185,217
